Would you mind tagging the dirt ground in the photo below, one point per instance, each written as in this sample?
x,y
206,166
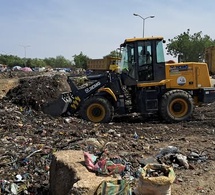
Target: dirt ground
x,y
29,137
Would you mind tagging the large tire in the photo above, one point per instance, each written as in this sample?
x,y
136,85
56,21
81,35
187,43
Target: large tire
x,y
176,105
97,110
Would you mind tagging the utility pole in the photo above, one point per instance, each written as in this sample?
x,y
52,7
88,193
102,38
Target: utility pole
x,y
25,48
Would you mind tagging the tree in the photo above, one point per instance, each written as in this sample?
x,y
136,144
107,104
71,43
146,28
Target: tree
x,y
58,62
191,47
36,63
115,53
11,60
50,62
81,60
62,62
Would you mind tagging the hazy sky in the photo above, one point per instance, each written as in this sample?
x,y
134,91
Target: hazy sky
x,y
49,28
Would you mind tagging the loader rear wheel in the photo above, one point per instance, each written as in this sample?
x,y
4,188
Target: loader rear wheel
x,y
97,110
176,106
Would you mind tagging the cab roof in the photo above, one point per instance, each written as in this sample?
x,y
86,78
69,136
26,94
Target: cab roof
x,y
141,39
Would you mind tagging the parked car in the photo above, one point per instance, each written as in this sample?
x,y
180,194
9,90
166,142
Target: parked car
x,y
16,68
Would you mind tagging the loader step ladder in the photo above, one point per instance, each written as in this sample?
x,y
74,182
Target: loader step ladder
x,y
151,100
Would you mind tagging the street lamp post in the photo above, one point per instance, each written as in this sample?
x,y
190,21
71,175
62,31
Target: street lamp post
x,y
143,20
25,47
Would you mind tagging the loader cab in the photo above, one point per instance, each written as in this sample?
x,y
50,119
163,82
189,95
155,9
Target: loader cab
x,y
143,59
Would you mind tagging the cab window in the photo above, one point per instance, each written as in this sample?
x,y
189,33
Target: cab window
x,y
159,52
144,53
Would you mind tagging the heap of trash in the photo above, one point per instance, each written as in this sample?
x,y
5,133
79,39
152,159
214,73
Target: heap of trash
x,y
29,138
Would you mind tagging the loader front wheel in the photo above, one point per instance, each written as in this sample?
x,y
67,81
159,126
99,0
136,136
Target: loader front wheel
x,y
176,106
97,110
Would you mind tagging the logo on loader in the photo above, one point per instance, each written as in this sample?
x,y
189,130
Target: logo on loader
x,y
181,80
89,89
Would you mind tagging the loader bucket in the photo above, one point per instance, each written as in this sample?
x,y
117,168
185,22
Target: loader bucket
x,y
58,107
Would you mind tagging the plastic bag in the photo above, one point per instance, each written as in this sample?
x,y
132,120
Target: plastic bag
x,y
102,166
114,187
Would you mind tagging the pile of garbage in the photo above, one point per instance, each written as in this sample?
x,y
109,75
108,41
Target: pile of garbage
x,y
33,92
29,138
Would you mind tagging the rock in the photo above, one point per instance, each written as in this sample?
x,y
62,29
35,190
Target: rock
x,y
69,175
145,161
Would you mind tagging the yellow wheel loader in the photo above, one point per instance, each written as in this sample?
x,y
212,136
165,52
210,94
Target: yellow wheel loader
x,y
144,84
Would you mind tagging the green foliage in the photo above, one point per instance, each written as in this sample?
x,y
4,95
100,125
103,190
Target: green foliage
x,y
35,63
81,60
61,62
114,53
11,60
191,47
50,62
58,62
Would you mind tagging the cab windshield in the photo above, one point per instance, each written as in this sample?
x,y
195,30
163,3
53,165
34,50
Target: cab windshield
x,y
124,59
127,57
